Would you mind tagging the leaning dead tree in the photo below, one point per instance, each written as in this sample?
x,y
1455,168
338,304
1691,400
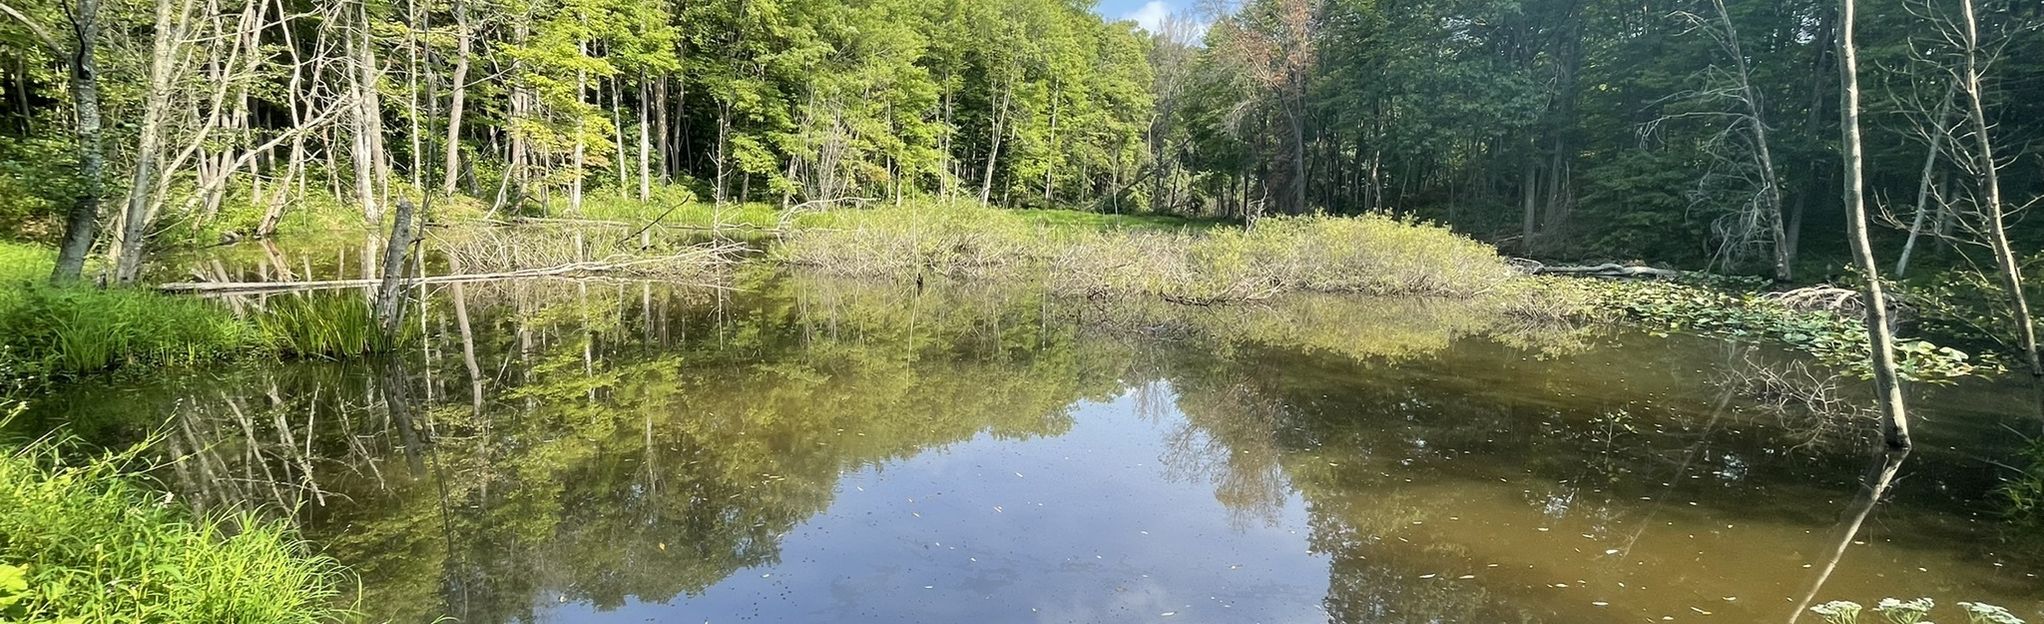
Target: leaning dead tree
x,y
1964,56
1744,172
1994,210
1887,382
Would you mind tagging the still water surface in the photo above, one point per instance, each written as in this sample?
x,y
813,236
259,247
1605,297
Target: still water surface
x,y
793,449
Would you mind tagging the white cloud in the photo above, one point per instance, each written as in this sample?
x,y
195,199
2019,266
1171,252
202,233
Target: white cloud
x,y
1158,17
1150,16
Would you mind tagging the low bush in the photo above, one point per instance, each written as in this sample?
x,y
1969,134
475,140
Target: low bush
x,y
86,541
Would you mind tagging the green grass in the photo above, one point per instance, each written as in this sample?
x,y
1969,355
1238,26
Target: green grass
x,y
50,330
86,541
1175,259
326,325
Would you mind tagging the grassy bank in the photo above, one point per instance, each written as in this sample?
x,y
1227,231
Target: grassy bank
x,y
53,332
85,541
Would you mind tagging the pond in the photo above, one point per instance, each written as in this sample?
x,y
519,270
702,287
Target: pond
x,y
786,448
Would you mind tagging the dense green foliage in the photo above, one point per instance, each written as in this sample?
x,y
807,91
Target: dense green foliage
x,y
561,102
86,542
1573,128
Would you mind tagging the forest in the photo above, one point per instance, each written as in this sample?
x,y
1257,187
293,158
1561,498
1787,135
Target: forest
x,y
384,310
1702,134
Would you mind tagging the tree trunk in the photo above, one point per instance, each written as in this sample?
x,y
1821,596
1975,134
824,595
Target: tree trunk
x,y
1000,130
1924,187
135,220
458,99
368,145
645,146
1763,155
81,224
389,299
1990,183
580,153
1529,188
1894,416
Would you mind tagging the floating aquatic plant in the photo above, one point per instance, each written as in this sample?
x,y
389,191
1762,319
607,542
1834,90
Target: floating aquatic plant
x,y
1901,612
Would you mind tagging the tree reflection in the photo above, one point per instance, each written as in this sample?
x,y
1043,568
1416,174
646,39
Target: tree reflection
x,y
1880,476
602,443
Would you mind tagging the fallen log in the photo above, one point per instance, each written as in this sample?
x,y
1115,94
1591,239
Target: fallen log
x,y
1607,271
710,257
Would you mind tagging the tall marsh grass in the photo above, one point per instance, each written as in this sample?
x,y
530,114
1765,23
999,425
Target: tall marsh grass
x,y
86,541
66,330
51,331
326,325
1368,254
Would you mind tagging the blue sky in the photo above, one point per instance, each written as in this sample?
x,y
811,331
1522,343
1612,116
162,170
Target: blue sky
x,y
1145,12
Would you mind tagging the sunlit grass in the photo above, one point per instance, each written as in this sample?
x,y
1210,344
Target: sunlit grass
x,y
83,540
1092,255
326,325
67,330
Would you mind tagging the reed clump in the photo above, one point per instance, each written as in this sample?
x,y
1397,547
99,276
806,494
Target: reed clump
x,y
330,325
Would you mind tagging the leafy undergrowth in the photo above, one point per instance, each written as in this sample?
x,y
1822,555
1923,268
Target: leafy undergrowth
x,y
85,541
1711,310
1371,254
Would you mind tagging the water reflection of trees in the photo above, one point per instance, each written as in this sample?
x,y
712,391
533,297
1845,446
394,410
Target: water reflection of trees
x,y
602,442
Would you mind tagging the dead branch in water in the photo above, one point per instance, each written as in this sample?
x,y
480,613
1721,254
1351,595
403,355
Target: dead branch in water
x,y
1606,270
703,257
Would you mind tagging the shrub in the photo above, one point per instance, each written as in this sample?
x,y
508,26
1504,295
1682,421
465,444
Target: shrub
x,y
959,240
86,542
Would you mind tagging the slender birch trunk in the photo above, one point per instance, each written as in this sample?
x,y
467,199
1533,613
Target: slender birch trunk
x,y
1887,383
457,100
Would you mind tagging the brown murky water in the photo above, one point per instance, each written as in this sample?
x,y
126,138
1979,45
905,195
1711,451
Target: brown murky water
x,y
805,450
